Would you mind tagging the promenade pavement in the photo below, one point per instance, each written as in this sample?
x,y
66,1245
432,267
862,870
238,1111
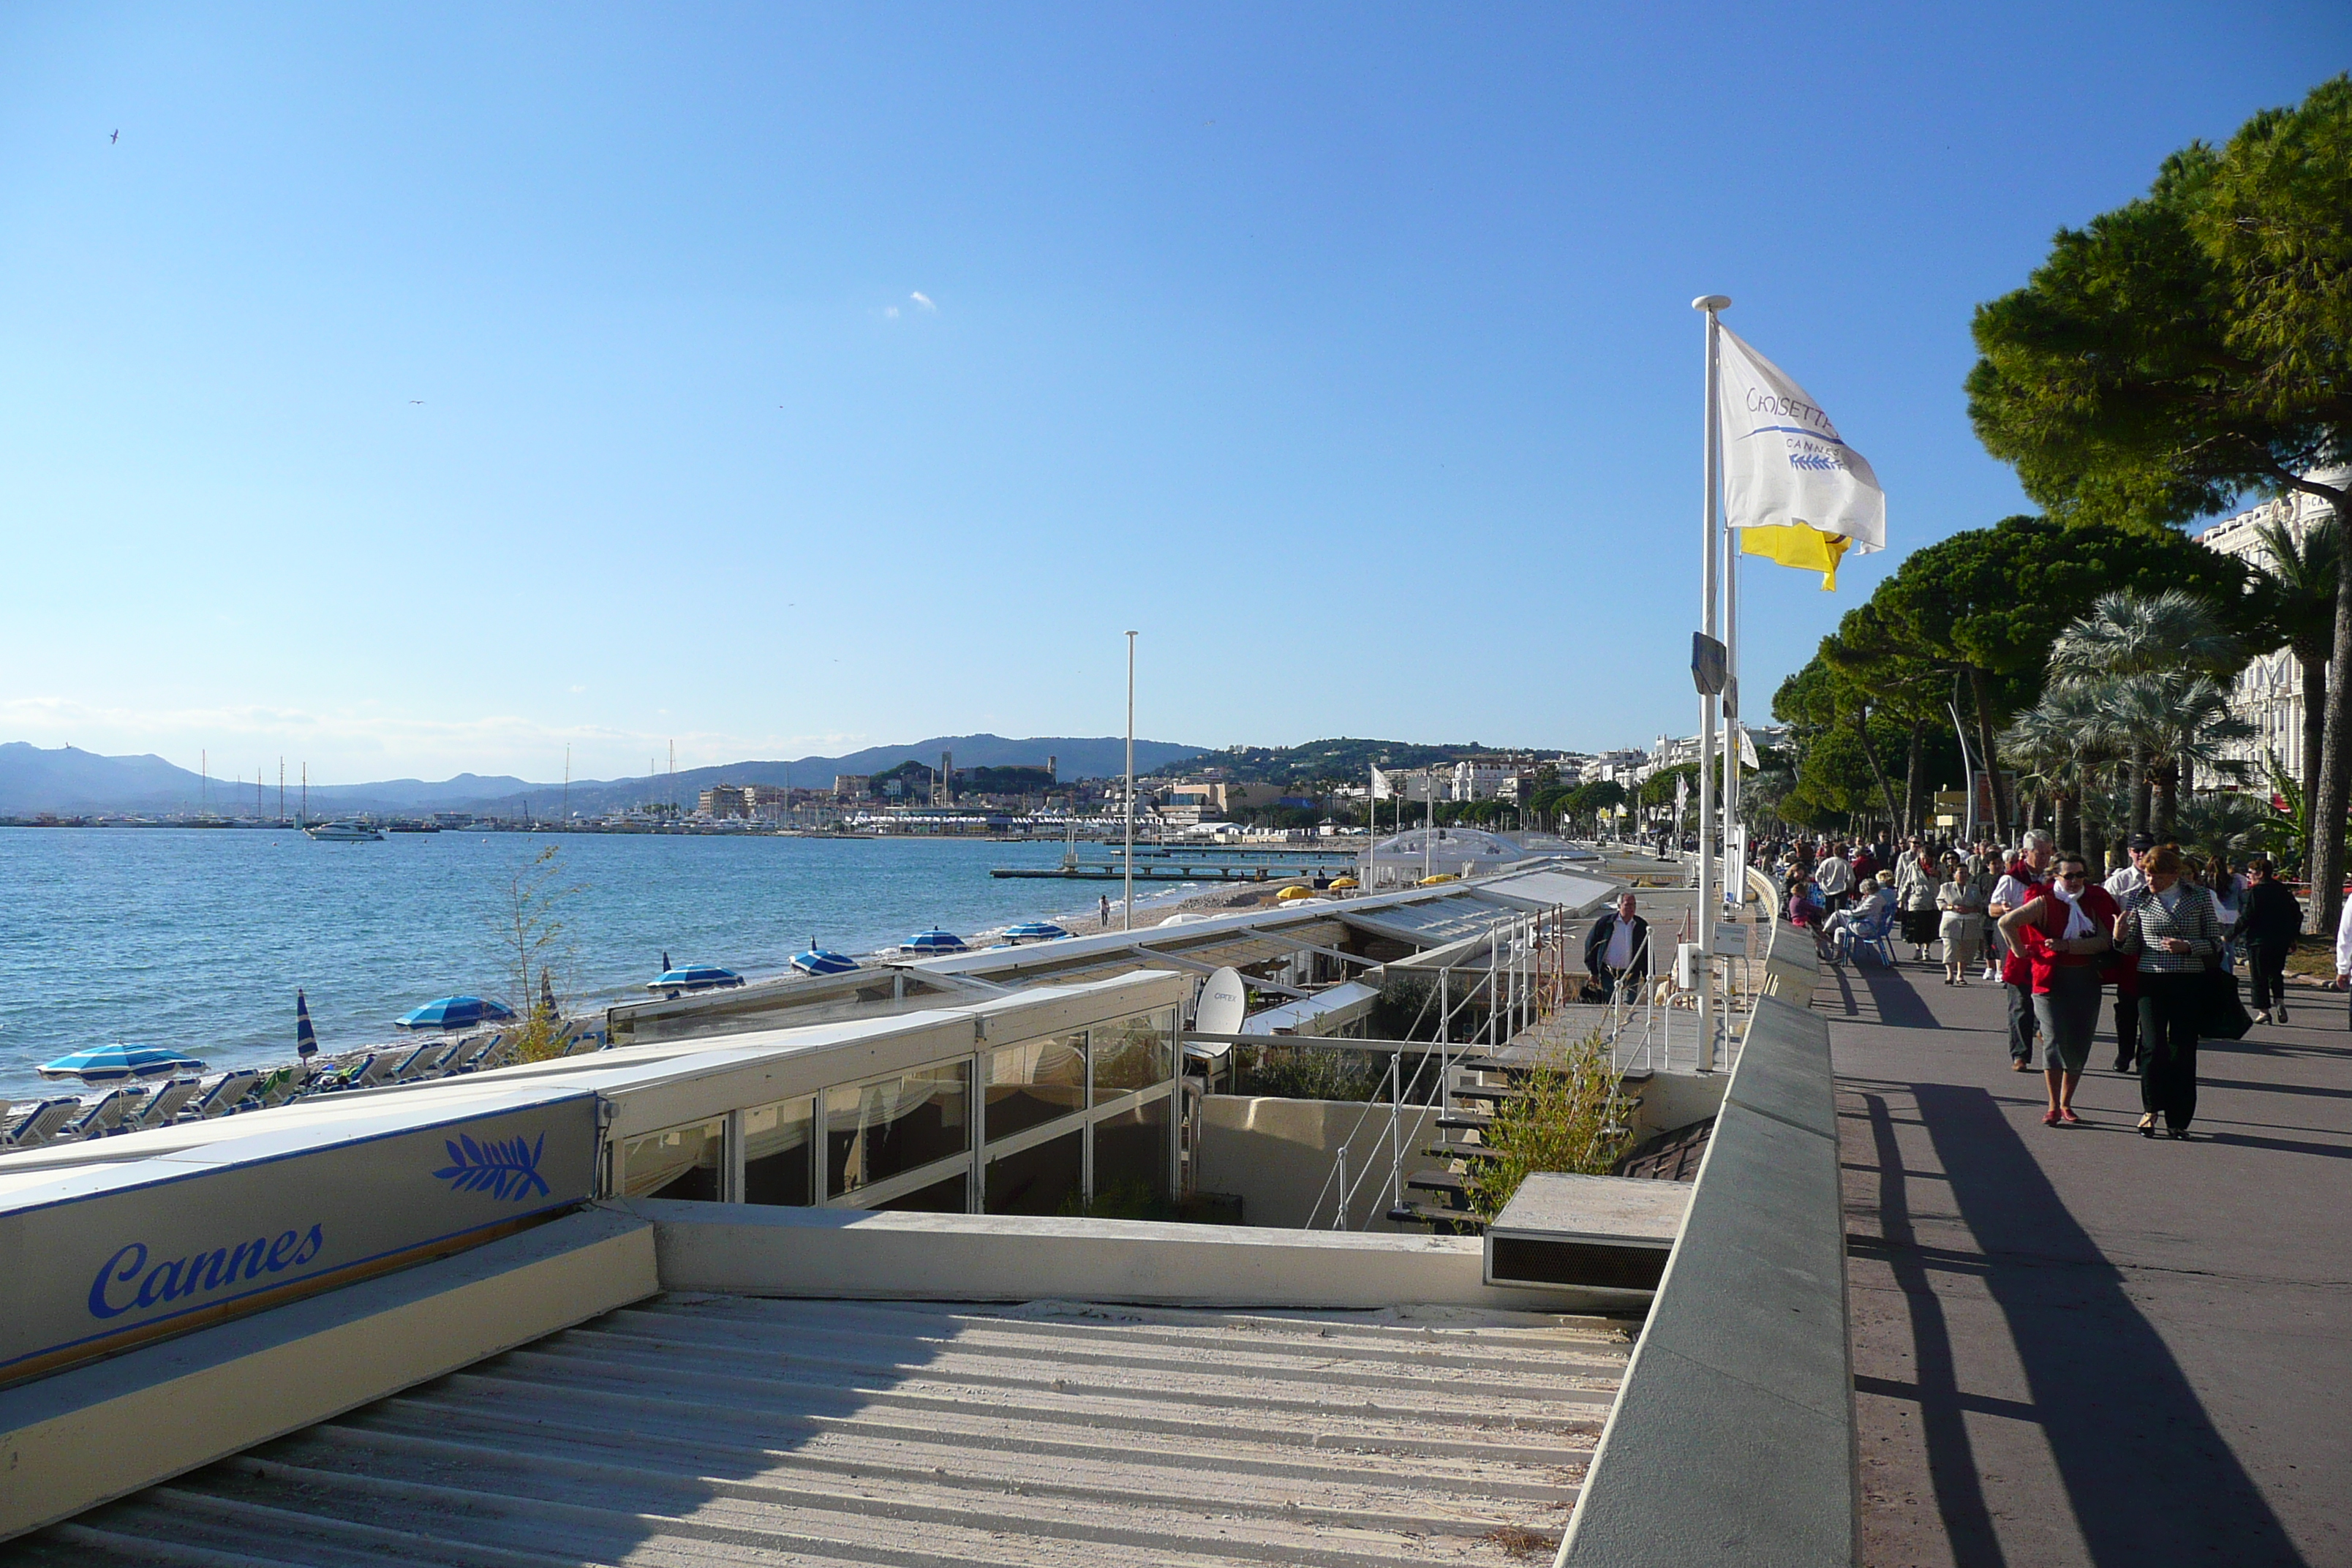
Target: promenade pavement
x,y
2074,1345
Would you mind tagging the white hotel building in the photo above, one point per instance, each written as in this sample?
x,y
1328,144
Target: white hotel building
x,y
2269,693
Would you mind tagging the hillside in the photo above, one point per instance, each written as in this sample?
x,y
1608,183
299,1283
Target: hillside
x,y
1341,761
67,781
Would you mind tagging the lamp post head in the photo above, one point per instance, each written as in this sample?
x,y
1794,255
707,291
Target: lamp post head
x,y
1711,303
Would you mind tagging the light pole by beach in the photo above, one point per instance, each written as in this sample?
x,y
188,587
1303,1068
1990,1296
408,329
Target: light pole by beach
x,y
1127,879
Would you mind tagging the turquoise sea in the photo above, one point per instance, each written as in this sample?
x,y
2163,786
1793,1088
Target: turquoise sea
x,y
197,937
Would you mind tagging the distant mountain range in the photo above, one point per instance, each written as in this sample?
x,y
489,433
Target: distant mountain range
x,y
71,782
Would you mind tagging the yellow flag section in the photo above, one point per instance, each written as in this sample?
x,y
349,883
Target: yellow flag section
x,y
1797,544
1797,493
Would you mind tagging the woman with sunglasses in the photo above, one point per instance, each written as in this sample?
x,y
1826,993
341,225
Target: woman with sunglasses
x,y
2061,932
2175,928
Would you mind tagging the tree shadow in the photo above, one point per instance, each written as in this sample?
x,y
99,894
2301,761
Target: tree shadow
x,y
1943,1407
2151,1479
1898,1002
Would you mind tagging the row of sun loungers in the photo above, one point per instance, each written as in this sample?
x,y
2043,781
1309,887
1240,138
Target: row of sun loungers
x,y
68,1120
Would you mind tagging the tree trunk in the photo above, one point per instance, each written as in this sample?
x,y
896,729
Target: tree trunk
x,y
2140,820
2334,795
2313,664
1914,766
1870,755
2068,821
1979,690
2166,790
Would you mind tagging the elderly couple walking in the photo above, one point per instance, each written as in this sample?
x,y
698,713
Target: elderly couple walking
x,y
2069,938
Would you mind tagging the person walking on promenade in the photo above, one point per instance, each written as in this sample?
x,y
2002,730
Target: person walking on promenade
x,y
1617,949
1916,881
2270,921
2229,890
1961,906
2027,878
2174,929
2061,931
2122,884
1835,876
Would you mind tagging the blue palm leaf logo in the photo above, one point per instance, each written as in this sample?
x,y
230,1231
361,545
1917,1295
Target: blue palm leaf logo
x,y
504,1168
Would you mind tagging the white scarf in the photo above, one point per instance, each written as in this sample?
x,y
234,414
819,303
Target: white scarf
x,y
2077,922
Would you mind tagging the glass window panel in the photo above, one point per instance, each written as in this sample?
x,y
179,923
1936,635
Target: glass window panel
x,y
939,1197
1134,1052
779,1167
676,1162
1034,1082
876,1131
1047,1178
1131,1160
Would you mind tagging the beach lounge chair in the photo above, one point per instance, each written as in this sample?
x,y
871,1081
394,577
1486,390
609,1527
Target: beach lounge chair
x,y
162,1105
443,1057
101,1115
220,1098
584,1041
40,1124
473,1050
413,1063
352,1074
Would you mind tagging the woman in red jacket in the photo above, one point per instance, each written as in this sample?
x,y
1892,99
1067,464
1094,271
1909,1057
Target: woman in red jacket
x,y
2062,932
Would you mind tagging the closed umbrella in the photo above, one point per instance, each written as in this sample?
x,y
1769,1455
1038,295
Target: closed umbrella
x,y
546,995
306,1039
119,1063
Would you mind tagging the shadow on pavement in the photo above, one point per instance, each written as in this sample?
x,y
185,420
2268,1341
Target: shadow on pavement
x,y
2151,1480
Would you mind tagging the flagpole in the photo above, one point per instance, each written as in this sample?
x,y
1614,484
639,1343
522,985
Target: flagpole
x,y
1731,720
1710,706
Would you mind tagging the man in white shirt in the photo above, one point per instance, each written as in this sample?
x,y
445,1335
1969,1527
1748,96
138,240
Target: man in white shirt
x,y
2124,884
1617,949
2124,881
1834,878
2018,886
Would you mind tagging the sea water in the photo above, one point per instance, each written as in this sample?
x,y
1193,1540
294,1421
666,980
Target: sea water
x,y
196,939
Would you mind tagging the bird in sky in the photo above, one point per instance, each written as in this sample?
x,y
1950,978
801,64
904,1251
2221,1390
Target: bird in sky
x,y
416,403
113,139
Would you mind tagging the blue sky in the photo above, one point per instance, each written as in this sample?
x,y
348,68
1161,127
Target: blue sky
x,y
411,390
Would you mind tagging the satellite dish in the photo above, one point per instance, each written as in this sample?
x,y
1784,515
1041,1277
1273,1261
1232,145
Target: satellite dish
x,y
1222,1004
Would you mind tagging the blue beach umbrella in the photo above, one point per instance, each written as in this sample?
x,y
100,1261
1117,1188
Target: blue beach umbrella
x,y
306,1039
1035,931
454,1013
119,1063
933,940
822,961
694,977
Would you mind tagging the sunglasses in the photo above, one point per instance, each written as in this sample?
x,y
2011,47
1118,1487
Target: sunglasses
x,y
2074,876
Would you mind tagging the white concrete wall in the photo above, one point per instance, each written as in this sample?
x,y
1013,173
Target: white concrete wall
x,y
866,1255
77,1438
1277,1154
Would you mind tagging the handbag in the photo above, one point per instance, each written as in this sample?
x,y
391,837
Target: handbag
x,y
2219,1015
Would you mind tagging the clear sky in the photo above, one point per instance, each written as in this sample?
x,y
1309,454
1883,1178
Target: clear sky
x,y
411,390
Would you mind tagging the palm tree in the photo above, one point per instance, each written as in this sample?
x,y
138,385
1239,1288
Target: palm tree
x,y
2129,635
2298,583
2066,742
2173,722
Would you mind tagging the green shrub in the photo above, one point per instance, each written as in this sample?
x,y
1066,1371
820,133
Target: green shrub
x,y
1565,1118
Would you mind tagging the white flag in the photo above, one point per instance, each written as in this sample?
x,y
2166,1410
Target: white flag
x,y
1783,461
